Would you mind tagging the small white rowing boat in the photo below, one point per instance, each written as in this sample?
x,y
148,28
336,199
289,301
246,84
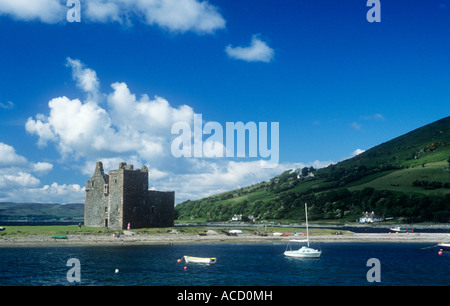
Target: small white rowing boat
x,y
444,246
399,229
203,260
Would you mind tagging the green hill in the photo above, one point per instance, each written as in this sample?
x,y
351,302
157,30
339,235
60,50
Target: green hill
x,y
407,177
40,212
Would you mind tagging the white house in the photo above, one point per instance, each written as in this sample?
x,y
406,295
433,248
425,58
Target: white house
x,y
237,218
369,218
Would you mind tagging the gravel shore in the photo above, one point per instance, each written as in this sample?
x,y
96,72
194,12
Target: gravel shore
x,y
96,240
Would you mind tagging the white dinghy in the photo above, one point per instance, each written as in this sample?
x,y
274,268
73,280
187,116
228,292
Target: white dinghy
x,y
201,260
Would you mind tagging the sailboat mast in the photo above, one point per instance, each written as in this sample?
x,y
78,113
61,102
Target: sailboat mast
x,y
307,231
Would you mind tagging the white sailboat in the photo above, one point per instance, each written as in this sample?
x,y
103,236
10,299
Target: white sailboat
x,y
304,251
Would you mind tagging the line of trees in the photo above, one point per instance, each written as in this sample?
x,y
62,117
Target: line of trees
x,y
430,185
335,204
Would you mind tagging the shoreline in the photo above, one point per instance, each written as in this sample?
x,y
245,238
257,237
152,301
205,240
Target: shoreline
x,y
169,239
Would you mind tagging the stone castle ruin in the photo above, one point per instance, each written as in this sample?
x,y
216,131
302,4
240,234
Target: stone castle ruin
x,y
122,198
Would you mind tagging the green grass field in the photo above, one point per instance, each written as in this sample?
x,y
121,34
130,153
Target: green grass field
x,y
402,180
24,231
49,230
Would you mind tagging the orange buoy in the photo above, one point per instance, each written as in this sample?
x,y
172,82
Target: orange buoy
x,y
179,260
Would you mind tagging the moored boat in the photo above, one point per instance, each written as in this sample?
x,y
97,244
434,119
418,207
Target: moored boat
x,y
203,260
59,236
399,229
235,232
304,251
444,246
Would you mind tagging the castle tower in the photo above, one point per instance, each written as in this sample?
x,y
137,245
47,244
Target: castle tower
x,y
96,200
125,199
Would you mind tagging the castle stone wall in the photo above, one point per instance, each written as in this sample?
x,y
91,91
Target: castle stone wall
x,y
115,201
162,207
135,198
123,198
96,201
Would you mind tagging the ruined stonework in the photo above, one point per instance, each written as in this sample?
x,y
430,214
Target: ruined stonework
x,y
122,197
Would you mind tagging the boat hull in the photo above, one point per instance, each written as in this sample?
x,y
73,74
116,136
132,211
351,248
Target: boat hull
x,y
398,230
201,260
59,236
444,246
302,255
304,252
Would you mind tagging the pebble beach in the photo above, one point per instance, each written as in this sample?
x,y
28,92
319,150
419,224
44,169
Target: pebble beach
x,y
165,239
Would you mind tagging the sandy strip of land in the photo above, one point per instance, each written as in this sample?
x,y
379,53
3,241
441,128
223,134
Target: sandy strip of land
x,y
167,239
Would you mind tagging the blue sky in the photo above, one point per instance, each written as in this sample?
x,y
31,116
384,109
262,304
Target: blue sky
x,y
111,86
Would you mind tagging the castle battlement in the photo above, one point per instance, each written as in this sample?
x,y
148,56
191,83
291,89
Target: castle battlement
x,y
122,197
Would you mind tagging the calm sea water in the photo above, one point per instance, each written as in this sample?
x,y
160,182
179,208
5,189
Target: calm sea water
x,y
237,265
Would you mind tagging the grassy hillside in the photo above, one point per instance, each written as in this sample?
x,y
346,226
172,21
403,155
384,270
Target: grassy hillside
x,y
407,177
404,180
427,144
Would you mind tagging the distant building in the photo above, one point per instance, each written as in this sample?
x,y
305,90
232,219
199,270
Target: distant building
x,y
236,217
243,218
122,199
370,218
251,218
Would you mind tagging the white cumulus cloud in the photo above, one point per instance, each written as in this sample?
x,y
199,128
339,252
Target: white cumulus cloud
x,y
47,11
173,15
42,168
102,11
73,124
86,78
357,152
126,125
19,184
218,175
258,51
21,178
137,130
53,193
181,15
9,157
17,175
